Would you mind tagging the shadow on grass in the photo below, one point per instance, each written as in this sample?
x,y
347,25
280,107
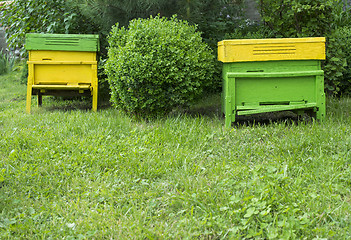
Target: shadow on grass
x,y
283,117
265,119
66,105
211,107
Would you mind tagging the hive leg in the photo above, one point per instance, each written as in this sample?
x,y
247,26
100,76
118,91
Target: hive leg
x,y
320,114
95,98
228,120
94,87
229,101
40,99
29,98
29,87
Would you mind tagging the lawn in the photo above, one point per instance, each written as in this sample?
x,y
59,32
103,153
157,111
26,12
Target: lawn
x,y
69,173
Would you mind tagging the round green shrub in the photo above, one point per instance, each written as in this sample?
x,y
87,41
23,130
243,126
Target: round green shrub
x,y
157,64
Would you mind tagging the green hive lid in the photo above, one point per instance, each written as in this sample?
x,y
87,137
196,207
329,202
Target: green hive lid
x,y
62,42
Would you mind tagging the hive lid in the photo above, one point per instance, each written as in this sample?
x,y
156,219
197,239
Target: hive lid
x,y
62,42
245,50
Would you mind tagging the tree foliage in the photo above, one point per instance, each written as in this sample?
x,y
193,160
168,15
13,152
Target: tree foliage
x,y
292,18
48,16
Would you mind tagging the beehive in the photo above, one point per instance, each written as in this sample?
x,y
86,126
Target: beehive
x,y
62,64
268,75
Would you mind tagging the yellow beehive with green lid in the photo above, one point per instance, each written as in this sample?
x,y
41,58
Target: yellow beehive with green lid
x,y
62,64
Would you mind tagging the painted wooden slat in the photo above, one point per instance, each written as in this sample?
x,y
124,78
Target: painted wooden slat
x,y
276,74
62,42
276,108
251,50
61,87
62,62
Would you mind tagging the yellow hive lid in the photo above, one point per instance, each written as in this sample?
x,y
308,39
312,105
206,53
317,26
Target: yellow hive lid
x,y
245,50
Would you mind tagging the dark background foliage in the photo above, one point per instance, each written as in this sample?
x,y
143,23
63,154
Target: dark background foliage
x,y
215,19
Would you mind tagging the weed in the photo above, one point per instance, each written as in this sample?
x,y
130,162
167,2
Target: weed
x,y
7,62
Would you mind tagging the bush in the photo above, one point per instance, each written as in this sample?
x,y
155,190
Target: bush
x,y
344,37
157,64
335,64
291,18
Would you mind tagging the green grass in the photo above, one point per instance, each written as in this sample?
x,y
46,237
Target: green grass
x,y
67,172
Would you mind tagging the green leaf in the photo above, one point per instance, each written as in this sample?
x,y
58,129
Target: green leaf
x,y
249,212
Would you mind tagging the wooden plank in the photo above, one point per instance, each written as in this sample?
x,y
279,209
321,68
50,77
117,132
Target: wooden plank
x,y
273,66
63,62
62,87
275,74
248,50
72,56
62,42
276,108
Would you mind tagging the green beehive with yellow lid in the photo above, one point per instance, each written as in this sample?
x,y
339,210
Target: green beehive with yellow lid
x,y
269,75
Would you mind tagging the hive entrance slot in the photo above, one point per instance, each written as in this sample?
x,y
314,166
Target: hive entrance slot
x,y
274,103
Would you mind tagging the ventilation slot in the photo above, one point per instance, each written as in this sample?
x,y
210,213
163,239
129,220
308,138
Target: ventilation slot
x,y
274,50
62,41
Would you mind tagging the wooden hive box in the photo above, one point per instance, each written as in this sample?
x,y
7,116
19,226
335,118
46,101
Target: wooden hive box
x,y
268,75
62,64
